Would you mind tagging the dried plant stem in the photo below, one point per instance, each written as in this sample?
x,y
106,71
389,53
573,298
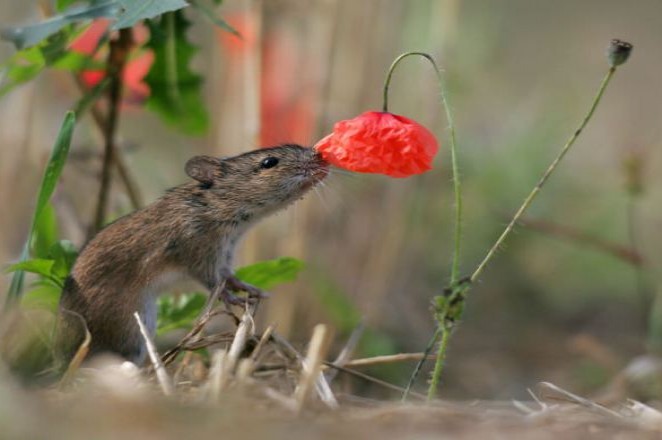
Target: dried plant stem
x,y
117,57
81,353
159,368
371,379
382,360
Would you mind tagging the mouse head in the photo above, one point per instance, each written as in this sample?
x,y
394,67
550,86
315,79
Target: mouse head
x,y
260,181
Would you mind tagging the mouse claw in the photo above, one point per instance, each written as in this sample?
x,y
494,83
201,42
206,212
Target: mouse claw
x,y
231,299
235,284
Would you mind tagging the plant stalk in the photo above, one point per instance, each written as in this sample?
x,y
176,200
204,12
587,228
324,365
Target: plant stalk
x,y
119,52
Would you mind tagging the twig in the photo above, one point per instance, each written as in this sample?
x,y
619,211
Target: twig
x,y
544,388
386,359
374,380
346,353
263,341
190,338
81,352
159,368
117,57
322,386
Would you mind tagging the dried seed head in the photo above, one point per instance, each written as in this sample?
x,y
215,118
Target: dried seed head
x,y
618,52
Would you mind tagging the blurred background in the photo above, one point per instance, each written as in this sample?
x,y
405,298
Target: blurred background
x,y
570,297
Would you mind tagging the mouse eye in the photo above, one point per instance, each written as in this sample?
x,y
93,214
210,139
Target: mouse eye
x,y
269,162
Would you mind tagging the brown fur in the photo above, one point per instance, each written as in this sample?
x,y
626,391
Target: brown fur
x,y
191,231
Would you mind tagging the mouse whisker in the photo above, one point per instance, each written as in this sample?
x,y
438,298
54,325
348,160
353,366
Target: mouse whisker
x,y
338,171
323,201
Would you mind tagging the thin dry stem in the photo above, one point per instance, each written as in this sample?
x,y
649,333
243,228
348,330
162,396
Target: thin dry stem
x,y
346,353
263,341
386,359
159,368
117,57
242,334
80,355
218,374
311,365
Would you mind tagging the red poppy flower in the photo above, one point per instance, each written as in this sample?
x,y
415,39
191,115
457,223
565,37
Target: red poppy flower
x,y
380,142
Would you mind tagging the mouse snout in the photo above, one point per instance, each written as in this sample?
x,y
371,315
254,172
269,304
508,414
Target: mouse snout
x,y
317,167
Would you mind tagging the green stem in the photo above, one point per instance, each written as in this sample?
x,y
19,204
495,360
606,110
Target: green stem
x,y
529,199
441,358
457,240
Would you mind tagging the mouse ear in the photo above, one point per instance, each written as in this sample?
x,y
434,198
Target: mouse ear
x,y
203,168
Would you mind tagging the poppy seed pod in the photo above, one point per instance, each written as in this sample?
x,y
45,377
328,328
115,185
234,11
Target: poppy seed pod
x,y
618,52
380,142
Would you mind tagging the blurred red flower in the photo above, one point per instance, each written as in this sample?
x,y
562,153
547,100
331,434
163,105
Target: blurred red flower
x,y
380,142
135,70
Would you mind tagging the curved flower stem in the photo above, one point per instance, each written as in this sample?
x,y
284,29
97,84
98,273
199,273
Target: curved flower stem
x,y
442,328
536,189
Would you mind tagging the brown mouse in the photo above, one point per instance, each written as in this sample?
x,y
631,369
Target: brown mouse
x,y
191,231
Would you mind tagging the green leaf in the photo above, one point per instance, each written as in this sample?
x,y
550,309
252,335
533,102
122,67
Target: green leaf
x,y
45,233
176,91
55,164
40,266
61,5
64,254
268,274
51,175
136,10
208,12
76,61
30,35
28,63
175,312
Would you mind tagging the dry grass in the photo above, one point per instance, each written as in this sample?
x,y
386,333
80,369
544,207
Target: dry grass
x,y
259,385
